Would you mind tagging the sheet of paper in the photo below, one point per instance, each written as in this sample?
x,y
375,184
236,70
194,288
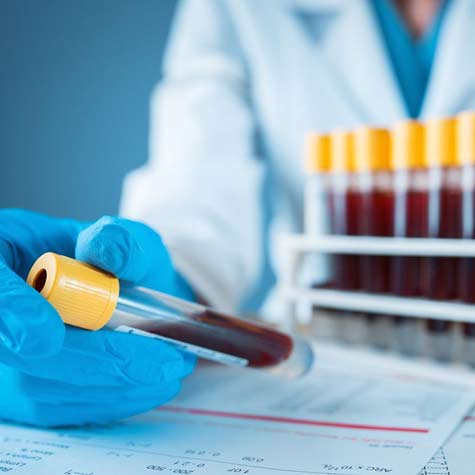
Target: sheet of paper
x,y
234,421
457,456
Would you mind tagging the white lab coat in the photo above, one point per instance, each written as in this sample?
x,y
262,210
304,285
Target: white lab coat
x,y
244,81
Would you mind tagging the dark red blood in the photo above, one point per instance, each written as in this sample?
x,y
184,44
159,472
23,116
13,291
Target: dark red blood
x,y
406,270
346,215
377,220
261,346
441,273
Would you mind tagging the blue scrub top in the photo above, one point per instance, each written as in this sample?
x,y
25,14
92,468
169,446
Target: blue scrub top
x,y
411,58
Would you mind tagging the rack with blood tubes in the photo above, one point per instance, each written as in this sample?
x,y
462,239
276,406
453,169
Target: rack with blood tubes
x,y
408,185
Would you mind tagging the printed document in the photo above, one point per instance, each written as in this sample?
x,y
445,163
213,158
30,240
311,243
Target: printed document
x,y
457,457
236,421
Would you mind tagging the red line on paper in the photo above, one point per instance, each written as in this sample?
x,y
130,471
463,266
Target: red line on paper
x,y
289,420
469,418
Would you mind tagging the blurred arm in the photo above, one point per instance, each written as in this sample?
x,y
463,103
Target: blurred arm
x,y
201,187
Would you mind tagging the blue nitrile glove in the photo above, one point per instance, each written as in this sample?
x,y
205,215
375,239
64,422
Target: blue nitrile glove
x,y
53,375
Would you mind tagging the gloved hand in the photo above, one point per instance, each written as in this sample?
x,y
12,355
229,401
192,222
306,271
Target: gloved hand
x,y
53,375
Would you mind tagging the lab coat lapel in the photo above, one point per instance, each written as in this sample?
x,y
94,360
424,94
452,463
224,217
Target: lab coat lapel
x,y
452,84
355,55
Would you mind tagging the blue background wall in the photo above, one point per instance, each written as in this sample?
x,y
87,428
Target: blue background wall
x,y
75,83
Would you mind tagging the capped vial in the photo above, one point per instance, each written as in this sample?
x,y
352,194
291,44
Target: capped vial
x,y
411,205
89,298
375,178
440,276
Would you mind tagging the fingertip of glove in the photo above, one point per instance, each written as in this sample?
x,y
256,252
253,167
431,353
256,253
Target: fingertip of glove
x,y
109,245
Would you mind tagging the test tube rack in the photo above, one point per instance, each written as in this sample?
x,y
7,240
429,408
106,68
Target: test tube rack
x,y
297,246
297,293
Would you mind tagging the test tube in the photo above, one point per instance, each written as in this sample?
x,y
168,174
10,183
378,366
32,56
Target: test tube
x,y
410,220
346,201
373,159
445,221
345,208
317,222
89,298
466,153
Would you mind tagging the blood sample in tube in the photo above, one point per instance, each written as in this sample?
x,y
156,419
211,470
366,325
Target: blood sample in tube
x,y
89,298
410,220
373,160
346,208
445,221
346,201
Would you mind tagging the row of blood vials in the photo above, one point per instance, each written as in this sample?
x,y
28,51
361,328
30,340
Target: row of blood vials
x,y
414,180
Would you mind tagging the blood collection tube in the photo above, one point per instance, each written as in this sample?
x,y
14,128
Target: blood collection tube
x,y
87,297
316,223
445,221
373,160
466,153
410,220
345,208
346,199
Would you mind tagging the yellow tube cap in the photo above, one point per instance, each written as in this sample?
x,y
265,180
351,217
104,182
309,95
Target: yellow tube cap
x,y
83,295
372,149
441,141
318,153
343,151
466,137
408,145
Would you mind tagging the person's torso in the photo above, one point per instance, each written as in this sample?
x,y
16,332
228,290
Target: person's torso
x,y
320,65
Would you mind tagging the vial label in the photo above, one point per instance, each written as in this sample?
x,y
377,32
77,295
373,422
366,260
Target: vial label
x,y
198,351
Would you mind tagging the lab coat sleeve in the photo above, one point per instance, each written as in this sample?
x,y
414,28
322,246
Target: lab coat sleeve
x,y
201,187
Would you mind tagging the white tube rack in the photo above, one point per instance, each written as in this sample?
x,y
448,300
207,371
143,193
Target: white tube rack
x,y
296,246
